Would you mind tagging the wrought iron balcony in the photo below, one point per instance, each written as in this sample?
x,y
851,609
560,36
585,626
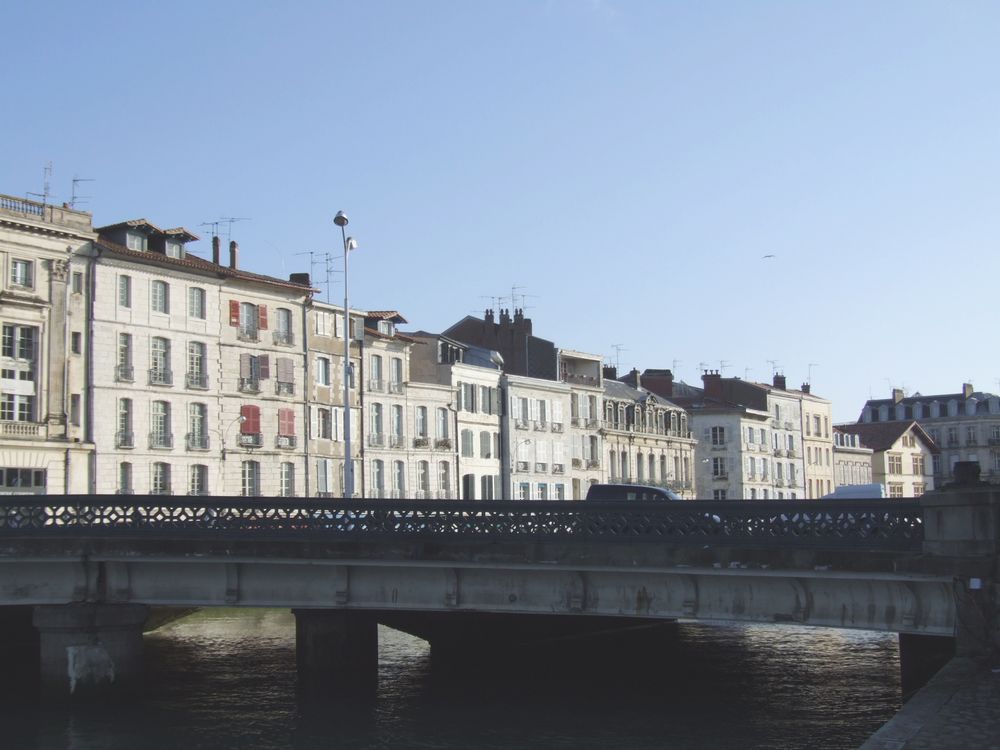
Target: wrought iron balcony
x,y
160,377
397,441
125,439
376,385
161,440
197,441
247,334
284,389
125,373
521,466
558,468
557,426
197,380
285,441
421,442
376,440
283,338
250,439
397,388
249,385
442,444
593,463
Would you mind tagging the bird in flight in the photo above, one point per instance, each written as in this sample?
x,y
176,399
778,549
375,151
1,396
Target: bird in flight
x,y
769,255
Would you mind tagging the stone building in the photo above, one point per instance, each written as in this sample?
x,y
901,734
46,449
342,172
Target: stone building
x,y
46,415
902,454
852,461
965,426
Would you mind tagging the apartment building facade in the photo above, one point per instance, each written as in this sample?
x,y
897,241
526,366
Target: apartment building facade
x,y
902,455
852,461
45,414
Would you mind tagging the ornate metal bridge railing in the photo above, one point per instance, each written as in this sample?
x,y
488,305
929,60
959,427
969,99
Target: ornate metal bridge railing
x,y
875,524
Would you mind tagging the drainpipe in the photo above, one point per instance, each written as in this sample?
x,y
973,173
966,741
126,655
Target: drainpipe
x,y
306,421
88,391
359,382
506,456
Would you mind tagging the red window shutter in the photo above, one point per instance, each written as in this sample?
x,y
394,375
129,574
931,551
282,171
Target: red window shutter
x,y
286,422
234,312
251,425
262,317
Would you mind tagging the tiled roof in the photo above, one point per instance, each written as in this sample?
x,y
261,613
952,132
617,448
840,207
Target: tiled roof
x,y
194,263
392,315
881,436
617,390
131,223
397,337
182,234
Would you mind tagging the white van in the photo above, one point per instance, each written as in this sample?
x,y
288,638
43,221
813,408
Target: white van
x,y
857,492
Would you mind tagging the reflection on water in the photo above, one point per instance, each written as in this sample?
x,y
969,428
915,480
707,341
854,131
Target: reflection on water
x,y
226,679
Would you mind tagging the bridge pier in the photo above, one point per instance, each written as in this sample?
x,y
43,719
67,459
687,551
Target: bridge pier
x,y
336,651
89,650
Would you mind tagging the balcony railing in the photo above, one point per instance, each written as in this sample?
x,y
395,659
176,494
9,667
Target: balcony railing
x,y
577,463
521,466
557,426
376,440
521,424
247,334
21,429
250,439
541,467
249,385
125,373
558,468
284,389
283,338
197,380
124,439
397,388
442,444
285,441
376,385
397,441
160,377
593,463
161,440
421,442
540,424
197,441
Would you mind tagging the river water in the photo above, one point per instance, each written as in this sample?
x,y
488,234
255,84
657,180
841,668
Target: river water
x,y
225,678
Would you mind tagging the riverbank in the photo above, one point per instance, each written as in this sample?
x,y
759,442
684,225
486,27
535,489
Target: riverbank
x,y
958,708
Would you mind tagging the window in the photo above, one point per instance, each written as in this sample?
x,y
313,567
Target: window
x,y
283,330
253,369
324,424
125,291
487,487
894,463
718,494
250,426
76,342
159,361
524,491
198,480
159,297
135,241
125,478
19,342
22,273
919,489
376,378
249,318
160,435
816,424
250,479
423,476
322,371
640,468
77,282
719,467
196,303
718,436
123,371
970,435
378,477
160,482
467,444
396,372
485,444
396,425
398,478
376,422
197,438
442,422
421,421
174,249
918,465
444,476
895,489
124,438
287,479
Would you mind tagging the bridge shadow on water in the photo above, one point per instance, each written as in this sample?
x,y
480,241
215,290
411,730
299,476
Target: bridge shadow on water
x,y
226,679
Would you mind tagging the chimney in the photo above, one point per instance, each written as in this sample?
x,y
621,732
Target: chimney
x,y
234,254
633,378
897,395
300,278
805,388
610,372
779,381
967,390
489,317
712,382
215,250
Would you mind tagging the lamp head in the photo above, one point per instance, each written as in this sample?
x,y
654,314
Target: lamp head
x,y
352,244
340,219
241,418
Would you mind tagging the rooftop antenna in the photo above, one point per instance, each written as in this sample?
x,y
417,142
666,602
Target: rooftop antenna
x,y
213,224
810,366
674,365
325,260
494,300
618,355
229,221
746,373
74,199
774,366
46,177
702,366
723,364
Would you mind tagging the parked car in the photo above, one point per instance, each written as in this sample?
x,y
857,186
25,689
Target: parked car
x,y
629,492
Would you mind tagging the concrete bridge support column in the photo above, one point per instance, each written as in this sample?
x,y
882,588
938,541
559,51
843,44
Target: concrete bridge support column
x,y
920,658
89,650
18,650
336,651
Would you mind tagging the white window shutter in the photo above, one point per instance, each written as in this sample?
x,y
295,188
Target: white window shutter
x,y
335,427
557,411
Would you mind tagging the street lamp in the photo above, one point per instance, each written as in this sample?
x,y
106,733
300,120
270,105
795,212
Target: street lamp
x,y
513,462
349,244
225,435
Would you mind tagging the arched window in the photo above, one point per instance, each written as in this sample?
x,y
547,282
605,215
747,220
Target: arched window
x,y
640,469
613,463
652,468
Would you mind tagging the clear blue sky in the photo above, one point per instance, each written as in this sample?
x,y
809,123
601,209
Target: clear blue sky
x,y
626,164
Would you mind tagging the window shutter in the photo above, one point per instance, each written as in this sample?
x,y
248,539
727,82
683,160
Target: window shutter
x,y
335,424
497,403
244,365
246,411
460,396
557,453
313,422
286,422
234,312
264,363
557,412
533,408
286,369
262,317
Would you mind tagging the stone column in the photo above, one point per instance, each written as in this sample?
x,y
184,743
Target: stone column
x,y
57,407
337,651
90,650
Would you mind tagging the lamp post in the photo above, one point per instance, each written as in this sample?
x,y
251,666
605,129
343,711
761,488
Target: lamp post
x,y
225,437
349,244
513,463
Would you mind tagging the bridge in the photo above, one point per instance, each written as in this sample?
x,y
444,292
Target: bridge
x,y
83,571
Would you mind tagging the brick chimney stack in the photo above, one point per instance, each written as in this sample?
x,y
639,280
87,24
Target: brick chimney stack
x,y
806,388
610,372
779,381
712,382
897,395
967,390
234,254
216,251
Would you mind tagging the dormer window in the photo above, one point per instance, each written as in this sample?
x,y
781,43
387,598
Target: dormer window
x,y
175,249
136,241
386,327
